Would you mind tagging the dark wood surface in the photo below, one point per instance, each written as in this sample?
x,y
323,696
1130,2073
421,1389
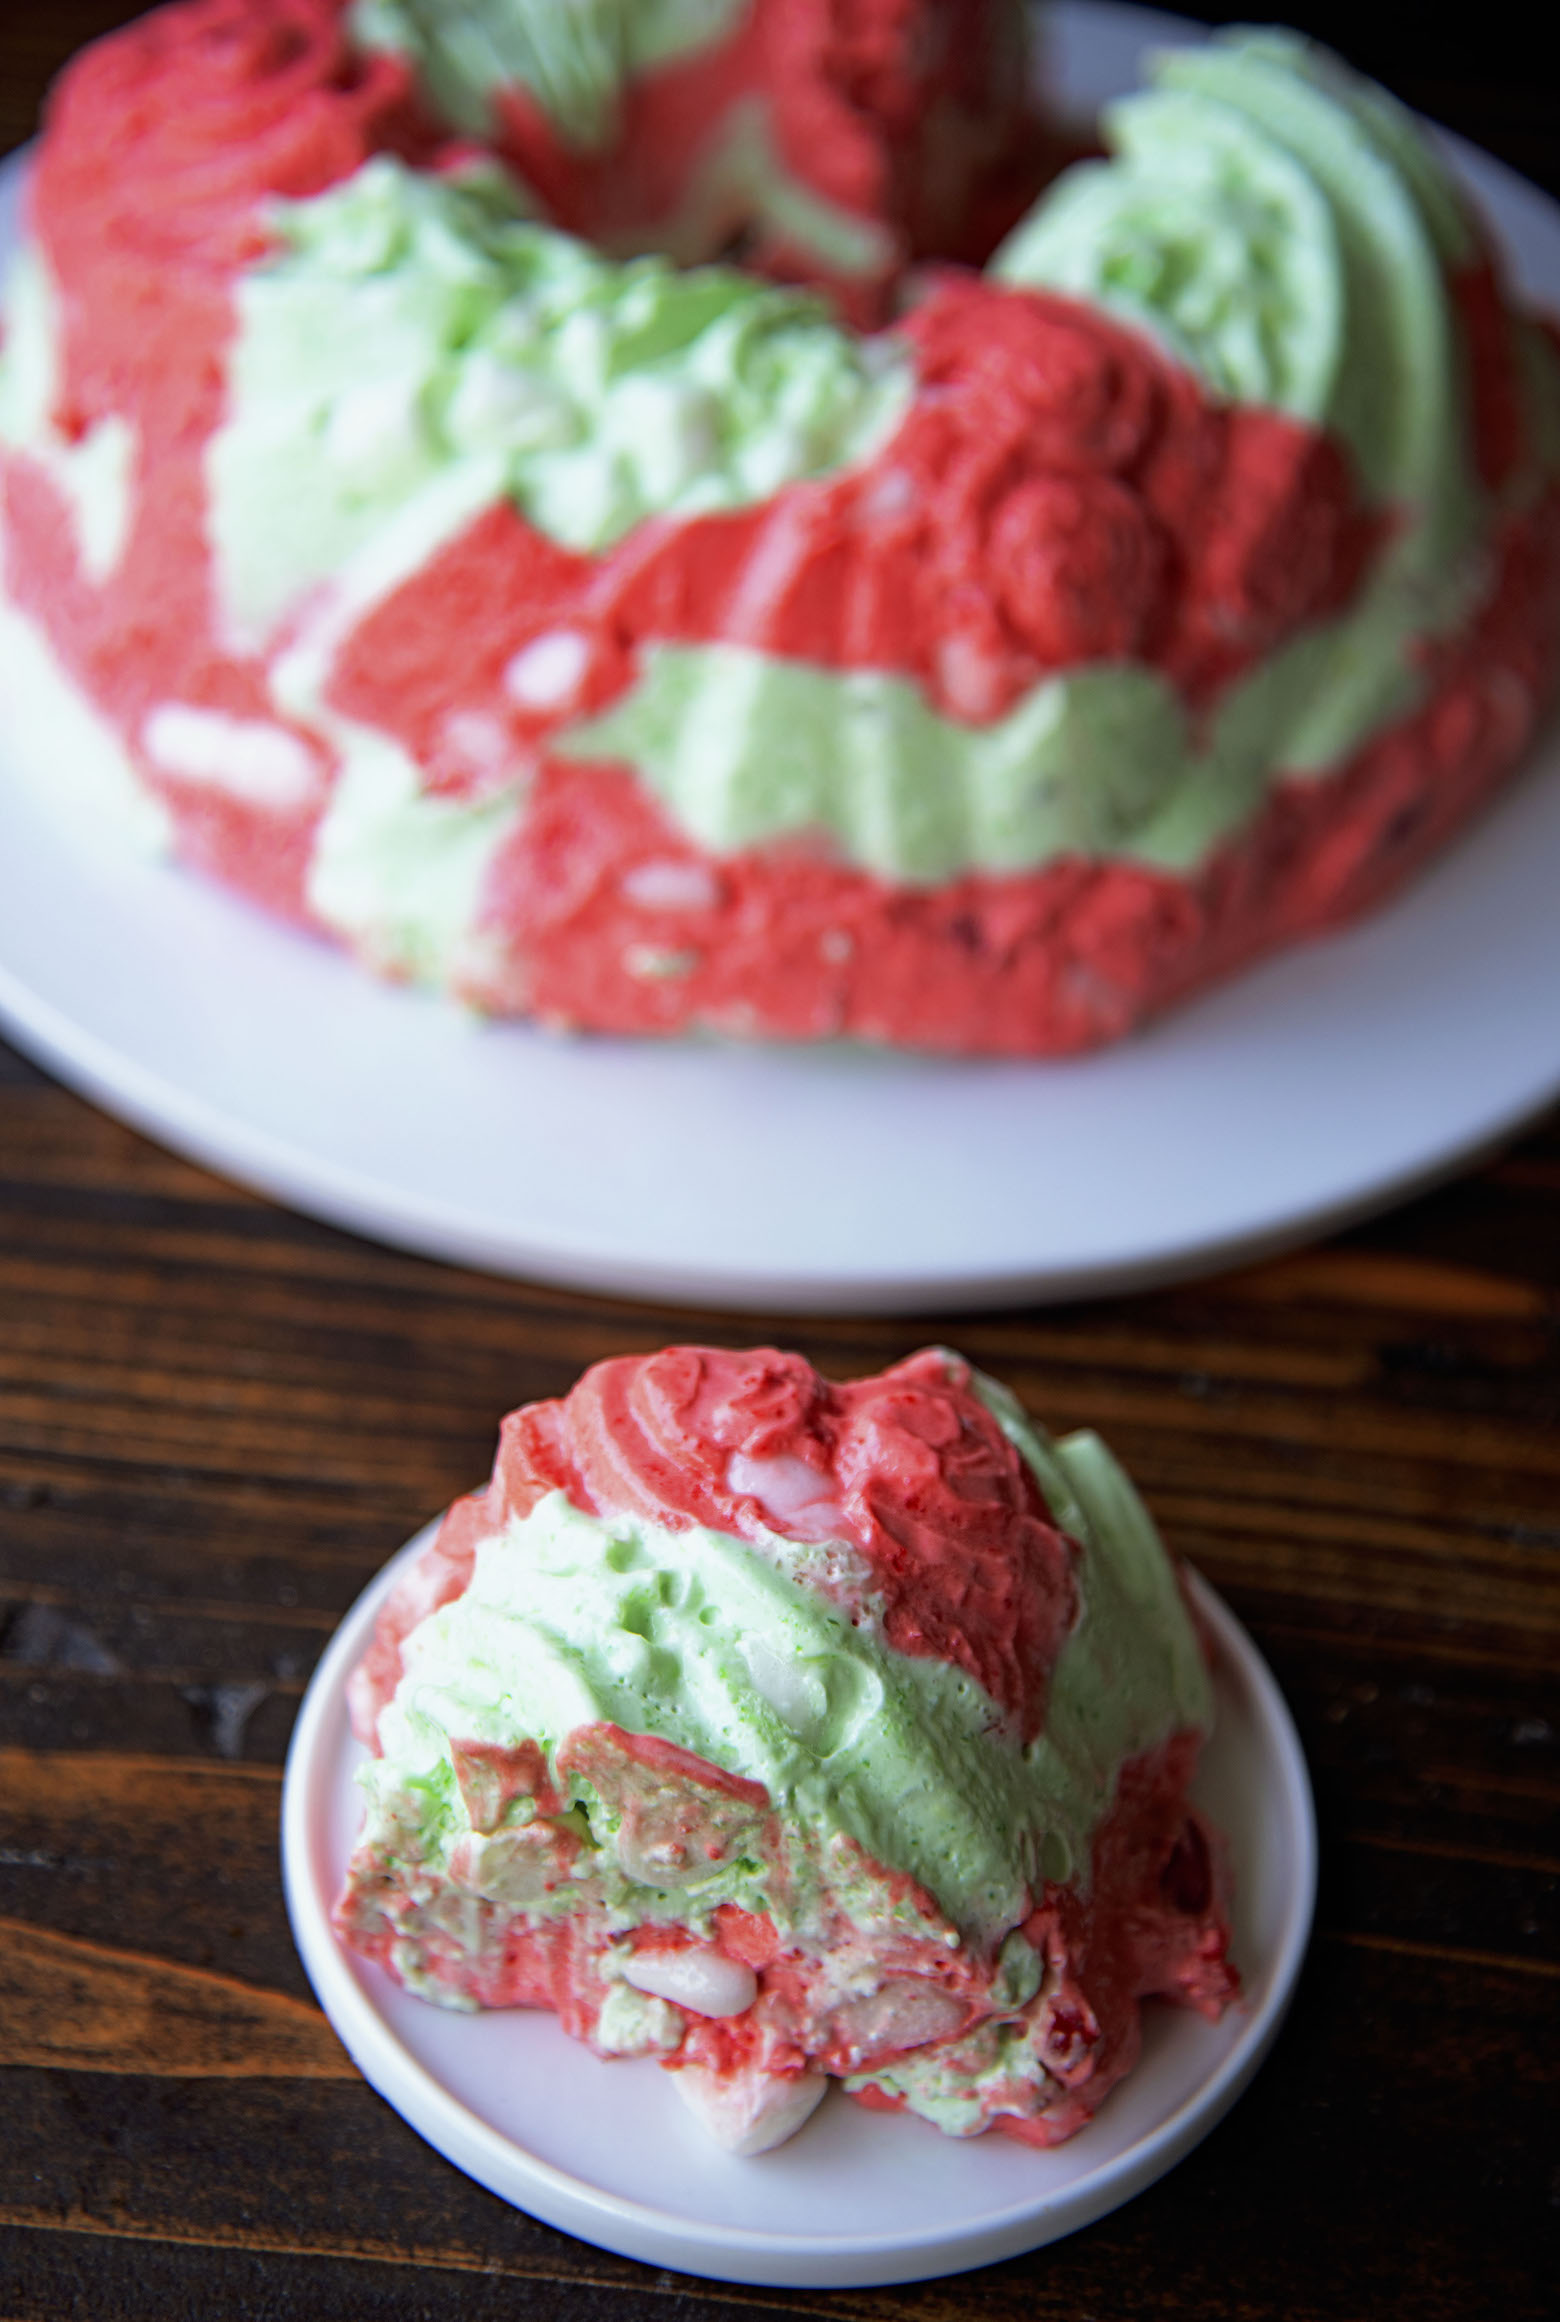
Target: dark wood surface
x,y
217,1419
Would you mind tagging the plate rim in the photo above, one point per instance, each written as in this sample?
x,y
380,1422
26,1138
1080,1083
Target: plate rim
x,y
715,2250
421,1225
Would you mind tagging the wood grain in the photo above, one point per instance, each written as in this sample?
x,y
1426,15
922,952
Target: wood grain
x,y
217,1420
70,2006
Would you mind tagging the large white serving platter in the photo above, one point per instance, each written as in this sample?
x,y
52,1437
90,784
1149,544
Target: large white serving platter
x,y
1324,1085
607,2150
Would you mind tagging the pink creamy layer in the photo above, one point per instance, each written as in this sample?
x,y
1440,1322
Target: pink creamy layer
x,y
908,1468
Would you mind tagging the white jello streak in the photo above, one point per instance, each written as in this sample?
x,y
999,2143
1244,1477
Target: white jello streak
x,y
95,474
398,873
248,758
74,762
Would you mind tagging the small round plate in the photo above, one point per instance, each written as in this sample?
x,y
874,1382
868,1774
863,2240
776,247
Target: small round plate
x,y
607,2151
1342,1076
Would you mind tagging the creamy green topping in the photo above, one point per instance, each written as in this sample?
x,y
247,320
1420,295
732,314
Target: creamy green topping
x,y
1215,240
742,747
1398,396
727,1650
1391,128
572,60
408,326
93,473
1281,227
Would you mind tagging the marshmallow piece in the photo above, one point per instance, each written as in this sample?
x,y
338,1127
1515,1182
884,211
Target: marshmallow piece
x,y
671,886
751,2111
705,1982
248,757
547,672
796,1498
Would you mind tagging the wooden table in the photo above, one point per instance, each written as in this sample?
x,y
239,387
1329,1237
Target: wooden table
x,y
217,1419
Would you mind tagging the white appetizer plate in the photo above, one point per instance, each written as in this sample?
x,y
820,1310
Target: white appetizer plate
x,y
608,2151
1326,1084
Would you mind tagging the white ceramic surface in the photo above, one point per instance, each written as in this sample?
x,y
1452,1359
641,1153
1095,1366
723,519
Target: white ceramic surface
x,y
1325,1084
607,2150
